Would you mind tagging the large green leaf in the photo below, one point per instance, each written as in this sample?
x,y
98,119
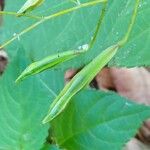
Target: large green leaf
x,y
98,120
22,107
61,34
66,32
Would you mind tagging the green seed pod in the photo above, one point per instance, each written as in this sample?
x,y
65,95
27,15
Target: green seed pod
x,y
80,80
48,62
29,5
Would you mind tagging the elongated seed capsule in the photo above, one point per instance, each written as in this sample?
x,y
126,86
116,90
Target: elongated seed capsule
x,y
29,5
48,62
80,80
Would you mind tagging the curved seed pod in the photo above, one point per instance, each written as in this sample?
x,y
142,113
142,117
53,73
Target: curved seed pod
x,y
80,80
29,5
48,62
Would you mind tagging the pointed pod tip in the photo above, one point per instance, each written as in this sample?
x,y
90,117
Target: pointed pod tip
x,y
49,117
44,122
19,79
46,119
19,13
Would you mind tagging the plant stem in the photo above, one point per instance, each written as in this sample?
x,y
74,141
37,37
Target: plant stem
x,y
102,14
60,13
15,14
51,61
21,33
92,3
127,35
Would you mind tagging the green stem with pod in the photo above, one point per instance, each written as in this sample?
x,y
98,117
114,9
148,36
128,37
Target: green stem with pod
x,y
46,18
79,81
16,15
127,35
85,76
56,59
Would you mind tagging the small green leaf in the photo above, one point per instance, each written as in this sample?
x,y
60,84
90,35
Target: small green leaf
x,y
79,81
48,62
96,120
29,5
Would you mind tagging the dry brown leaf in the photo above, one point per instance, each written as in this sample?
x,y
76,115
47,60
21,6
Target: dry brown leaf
x,y
132,83
135,144
3,60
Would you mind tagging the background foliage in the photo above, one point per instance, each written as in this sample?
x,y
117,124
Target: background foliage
x,y
23,106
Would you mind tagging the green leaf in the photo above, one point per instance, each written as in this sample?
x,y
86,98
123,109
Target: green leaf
x,y
134,53
22,108
79,81
66,32
98,120
29,5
